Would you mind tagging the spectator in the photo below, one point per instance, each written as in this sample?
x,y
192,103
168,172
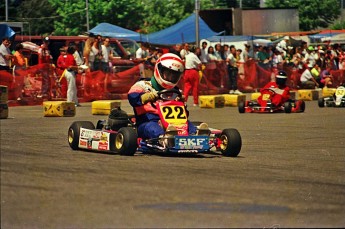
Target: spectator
x,y
5,54
282,45
232,70
191,76
77,56
176,49
326,77
316,73
142,53
44,52
107,55
69,65
263,57
246,53
88,57
19,59
218,51
96,54
204,52
211,57
226,51
184,51
307,79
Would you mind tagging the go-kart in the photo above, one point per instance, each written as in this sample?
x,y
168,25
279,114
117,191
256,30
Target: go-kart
x,y
119,133
266,106
336,100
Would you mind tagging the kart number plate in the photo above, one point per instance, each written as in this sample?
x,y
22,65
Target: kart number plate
x,y
340,92
192,142
174,114
266,96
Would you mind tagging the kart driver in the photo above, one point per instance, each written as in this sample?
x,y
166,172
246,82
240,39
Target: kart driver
x,y
143,94
281,92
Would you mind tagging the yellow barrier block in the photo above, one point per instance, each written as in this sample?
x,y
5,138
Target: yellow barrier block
x,y
308,94
233,100
3,110
328,91
58,109
211,101
3,94
103,107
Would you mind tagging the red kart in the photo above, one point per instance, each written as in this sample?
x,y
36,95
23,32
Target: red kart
x,y
265,104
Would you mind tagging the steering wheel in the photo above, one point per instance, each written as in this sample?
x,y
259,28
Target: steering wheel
x,y
169,94
268,89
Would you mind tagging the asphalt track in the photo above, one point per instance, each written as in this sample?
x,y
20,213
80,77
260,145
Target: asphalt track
x,y
290,173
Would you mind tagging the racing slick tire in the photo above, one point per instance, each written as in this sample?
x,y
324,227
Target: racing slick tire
x,y
231,142
74,132
241,107
321,102
287,107
125,142
302,106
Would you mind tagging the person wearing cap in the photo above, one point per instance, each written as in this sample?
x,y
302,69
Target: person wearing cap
x,y
282,45
44,53
281,90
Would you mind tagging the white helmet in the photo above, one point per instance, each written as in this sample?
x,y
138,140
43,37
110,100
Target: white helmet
x,y
168,70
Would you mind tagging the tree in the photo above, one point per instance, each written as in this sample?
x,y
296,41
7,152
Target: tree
x,y
312,14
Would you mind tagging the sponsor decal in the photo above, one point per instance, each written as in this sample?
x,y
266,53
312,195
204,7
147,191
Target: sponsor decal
x,y
192,142
103,146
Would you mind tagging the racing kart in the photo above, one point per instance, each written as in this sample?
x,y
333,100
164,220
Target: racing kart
x,y
266,106
336,100
118,134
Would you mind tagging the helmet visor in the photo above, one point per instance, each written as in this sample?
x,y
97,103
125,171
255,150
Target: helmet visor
x,y
171,75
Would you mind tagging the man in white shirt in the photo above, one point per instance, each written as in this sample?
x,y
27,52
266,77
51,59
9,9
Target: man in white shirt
x,y
142,52
307,79
5,54
107,55
191,76
203,56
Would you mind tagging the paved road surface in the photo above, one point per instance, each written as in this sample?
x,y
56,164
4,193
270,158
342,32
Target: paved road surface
x,y
290,173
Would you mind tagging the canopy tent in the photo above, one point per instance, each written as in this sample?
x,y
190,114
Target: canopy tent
x,y
6,31
182,32
109,30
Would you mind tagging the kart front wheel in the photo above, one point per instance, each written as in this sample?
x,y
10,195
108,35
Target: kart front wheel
x,y
287,107
125,142
241,107
321,102
74,132
302,106
231,142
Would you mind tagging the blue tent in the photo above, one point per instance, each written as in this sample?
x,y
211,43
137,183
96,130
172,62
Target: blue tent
x,y
109,30
182,32
6,31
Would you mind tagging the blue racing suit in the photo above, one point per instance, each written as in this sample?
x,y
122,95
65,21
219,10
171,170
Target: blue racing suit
x,y
147,115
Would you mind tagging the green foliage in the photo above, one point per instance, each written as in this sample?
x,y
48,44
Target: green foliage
x,y
312,14
338,25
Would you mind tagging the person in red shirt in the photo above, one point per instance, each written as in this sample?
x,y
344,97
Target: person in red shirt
x,y
279,91
69,65
44,53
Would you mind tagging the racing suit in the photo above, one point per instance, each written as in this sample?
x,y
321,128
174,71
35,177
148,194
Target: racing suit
x,y
281,95
146,114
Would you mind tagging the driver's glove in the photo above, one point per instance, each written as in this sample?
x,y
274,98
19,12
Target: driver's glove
x,y
149,97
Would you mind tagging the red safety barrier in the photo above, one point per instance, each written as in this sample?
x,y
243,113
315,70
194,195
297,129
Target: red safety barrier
x,y
44,82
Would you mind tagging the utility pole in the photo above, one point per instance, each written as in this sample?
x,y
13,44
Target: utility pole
x,y
197,9
6,6
87,15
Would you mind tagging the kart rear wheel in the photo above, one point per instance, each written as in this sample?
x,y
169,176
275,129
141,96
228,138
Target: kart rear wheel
x,y
231,142
74,132
125,142
321,102
287,107
241,107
